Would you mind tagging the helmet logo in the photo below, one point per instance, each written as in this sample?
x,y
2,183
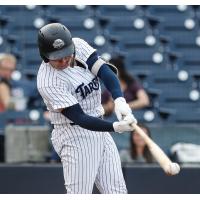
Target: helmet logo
x,y
58,43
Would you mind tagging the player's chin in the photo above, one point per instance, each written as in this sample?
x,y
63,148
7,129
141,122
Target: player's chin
x,y
62,67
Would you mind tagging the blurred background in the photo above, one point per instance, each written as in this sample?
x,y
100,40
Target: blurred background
x,y
158,46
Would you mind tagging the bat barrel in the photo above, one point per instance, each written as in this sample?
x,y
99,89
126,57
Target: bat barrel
x,y
155,150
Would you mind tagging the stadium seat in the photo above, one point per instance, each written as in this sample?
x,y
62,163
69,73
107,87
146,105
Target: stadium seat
x,y
191,56
2,122
167,10
113,11
70,11
124,27
187,116
175,43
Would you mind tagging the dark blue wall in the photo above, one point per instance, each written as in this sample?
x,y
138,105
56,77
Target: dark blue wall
x,y
31,179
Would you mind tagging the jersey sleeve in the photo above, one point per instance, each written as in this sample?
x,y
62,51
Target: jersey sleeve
x,y
82,49
58,97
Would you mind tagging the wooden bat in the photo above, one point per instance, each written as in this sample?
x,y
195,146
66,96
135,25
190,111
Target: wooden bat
x,y
166,164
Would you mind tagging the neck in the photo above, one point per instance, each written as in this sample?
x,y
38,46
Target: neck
x,y
139,150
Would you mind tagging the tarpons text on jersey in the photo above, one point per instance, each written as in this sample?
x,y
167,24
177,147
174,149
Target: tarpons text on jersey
x,y
85,90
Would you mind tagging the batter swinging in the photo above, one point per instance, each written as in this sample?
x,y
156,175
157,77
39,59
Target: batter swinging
x,y
68,81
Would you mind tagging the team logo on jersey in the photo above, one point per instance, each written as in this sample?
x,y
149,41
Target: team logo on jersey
x,y
58,44
85,90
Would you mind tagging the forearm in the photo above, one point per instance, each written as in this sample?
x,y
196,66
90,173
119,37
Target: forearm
x,y
141,101
75,114
93,123
137,104
110,81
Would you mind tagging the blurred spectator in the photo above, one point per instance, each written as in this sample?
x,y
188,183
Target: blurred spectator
x,y
7,66
138,151
134,93
54,158
182,152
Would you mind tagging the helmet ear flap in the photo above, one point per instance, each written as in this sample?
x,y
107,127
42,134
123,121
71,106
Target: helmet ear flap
x,y
46,60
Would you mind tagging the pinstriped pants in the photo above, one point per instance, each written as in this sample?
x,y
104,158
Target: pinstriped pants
x,y
88,157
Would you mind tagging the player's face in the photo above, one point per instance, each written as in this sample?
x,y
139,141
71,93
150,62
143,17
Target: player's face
x,y
61,63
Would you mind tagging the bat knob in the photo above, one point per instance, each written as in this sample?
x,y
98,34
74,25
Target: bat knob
x,y
172,169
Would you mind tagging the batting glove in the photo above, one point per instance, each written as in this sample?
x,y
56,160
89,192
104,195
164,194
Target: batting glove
x,y
130,119
122,109
122,126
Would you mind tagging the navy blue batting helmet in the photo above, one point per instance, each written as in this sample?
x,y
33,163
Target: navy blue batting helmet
x,y
55,42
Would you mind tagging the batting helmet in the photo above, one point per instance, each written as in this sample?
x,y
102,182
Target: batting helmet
x,y
55,42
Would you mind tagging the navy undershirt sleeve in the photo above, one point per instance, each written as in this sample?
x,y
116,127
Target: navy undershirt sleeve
x,y
108,77
110,80
76,114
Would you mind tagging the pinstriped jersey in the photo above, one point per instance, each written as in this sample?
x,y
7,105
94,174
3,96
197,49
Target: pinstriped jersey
x,y
64,88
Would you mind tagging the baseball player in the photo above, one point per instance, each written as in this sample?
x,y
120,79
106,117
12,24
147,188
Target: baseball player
x,y
68,81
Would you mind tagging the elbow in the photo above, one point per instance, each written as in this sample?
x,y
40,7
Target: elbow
x,y
146,102
144,99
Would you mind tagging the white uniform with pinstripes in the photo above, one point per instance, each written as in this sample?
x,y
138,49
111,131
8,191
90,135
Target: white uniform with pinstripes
x,y
87,156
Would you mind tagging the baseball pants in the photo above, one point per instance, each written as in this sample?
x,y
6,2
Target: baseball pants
x,y
88,157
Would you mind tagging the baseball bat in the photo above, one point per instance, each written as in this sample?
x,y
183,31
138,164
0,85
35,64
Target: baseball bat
x,y
166,164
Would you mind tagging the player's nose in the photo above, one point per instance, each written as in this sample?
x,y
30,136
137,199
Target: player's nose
x,y
65,60
62,61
